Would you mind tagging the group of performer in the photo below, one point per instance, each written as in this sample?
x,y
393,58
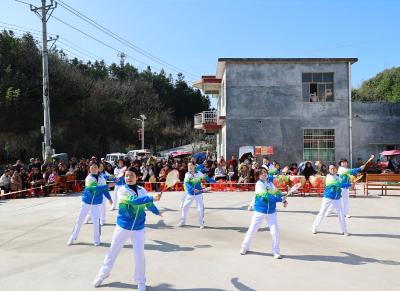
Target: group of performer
x,y
132,201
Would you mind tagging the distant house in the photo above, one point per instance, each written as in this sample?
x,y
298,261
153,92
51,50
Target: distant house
x,y
299,107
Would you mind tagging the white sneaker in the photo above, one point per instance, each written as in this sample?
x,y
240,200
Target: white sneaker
x,y
277,256
180,224
346,234
70,241
348,216
201,226
243,251
141,287
97,282
314,230
97,244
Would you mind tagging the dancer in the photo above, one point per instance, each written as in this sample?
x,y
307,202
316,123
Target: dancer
x,y
332,196
266,197
106,176
344,174
130,224
194,191
92,199
119,173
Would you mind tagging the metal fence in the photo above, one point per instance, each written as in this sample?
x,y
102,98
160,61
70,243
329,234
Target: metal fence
x,y
205,117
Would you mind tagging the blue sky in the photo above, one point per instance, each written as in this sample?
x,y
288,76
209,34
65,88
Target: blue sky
x,y
193,34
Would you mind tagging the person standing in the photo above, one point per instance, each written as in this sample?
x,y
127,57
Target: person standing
x,y
133,200
345,175
266,197
92,199
119,173
194,191
331,196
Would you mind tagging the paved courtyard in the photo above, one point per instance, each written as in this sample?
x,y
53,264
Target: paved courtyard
x,y
34,254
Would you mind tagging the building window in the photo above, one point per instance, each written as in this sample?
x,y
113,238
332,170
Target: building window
x,y
319,145
318,87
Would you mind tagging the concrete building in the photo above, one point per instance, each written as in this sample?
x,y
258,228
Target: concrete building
x,y
298,108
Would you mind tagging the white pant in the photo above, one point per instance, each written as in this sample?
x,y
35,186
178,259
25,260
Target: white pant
x,y
326,203
115,197
83,211
183,201
186,206
118,240
344,201
255,224
102,213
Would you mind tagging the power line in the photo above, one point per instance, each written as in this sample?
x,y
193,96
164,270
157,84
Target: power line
x,y
65,42
121,39
87,54
100,41
72,46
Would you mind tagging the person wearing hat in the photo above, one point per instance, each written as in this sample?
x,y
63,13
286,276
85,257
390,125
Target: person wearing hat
x,y
133,200
119,173
345,175
92,199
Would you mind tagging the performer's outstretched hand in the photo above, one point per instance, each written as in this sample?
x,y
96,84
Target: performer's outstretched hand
x,y
369,160
157,197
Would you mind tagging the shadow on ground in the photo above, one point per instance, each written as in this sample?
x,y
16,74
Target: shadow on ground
x,y
240,286
160,246
235,228
380,235
347,259
161,287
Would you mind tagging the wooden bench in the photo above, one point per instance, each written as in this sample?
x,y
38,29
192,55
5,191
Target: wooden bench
x,y
382,182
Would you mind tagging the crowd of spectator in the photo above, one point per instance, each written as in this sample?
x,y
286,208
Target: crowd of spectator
x,y
40,175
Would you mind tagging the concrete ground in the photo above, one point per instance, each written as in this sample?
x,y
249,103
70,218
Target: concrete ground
x,y
34,254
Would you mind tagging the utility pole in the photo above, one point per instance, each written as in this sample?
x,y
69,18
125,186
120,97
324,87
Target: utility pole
x,y
141,119
44,13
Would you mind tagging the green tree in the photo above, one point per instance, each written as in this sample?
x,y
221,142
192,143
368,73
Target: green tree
x,y
385,86
92,104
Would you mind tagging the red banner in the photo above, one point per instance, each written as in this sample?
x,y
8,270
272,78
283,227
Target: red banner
x,y
264,150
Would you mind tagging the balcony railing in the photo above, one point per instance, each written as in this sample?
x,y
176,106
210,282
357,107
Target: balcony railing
x,y
208,121
206,117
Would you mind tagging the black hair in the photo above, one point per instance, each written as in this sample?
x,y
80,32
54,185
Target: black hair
x,y
132,169
259,172
94,163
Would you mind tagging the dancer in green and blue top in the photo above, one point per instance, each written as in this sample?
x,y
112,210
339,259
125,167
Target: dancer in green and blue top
x,y
133,201
194,191
108,177
95,188
332,195
119,181
345,177
265,200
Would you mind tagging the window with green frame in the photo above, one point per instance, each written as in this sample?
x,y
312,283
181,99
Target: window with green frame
x,y
319,145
